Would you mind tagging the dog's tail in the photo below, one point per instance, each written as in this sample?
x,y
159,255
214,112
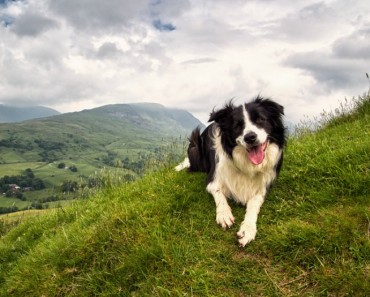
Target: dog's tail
x,y
193,161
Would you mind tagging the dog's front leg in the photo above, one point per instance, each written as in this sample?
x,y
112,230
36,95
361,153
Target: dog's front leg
x,y
224,216
248,228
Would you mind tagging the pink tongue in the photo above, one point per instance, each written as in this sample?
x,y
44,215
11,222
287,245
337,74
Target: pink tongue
x,y
256,155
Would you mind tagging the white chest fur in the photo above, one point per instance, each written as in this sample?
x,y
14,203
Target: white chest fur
x,y
241,180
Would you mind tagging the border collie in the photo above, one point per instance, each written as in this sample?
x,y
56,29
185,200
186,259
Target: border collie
x,y
242,153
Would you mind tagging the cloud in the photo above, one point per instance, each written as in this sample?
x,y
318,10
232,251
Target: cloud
x,y
199,61
109,50
97,15
168,8
189,54
310,22
329,70
6,20
5,2
355,46
343,65
7,11
32,24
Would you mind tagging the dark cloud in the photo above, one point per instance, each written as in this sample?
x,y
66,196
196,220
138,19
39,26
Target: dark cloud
x,y
344,65
329,70
355,46
31,24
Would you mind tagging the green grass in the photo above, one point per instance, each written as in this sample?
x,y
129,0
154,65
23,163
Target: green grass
x,y
90,140
18,167
9,201
158,236
20,216
53,178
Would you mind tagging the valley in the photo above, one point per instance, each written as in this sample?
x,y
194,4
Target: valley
x,y
124,138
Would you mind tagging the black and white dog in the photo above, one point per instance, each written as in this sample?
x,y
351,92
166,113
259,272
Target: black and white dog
x,y
242,153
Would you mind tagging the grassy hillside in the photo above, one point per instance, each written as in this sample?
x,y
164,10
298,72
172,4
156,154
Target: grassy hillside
x,y
126,136
158,236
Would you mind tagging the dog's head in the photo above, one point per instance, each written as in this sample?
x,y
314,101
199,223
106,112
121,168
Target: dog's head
x,y
253,126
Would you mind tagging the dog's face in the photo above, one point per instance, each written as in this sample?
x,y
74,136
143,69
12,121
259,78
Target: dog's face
x,y
252,125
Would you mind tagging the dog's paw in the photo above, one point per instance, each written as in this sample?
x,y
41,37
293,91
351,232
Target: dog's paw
x,y
225,218
246,234
184,164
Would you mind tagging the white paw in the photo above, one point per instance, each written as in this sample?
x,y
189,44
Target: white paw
x,y
246,234
224,217
184,164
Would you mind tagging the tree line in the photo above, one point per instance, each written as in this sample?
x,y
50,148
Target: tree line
x,y
26,180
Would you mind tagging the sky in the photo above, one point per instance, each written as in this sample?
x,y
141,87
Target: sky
x,y
72,55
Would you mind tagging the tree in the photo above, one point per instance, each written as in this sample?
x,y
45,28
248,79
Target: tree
x,y
28,172
69,186
38,184
19,195
73,168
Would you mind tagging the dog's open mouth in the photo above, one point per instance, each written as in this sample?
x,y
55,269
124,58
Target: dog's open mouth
x,y
256,154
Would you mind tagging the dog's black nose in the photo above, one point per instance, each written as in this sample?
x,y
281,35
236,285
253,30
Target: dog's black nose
x,y
250,137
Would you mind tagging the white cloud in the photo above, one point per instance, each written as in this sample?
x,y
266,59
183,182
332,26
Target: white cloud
x,y
80,54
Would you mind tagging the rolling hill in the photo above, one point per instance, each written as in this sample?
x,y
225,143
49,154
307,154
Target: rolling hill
x,y
123,136
111,129
12,114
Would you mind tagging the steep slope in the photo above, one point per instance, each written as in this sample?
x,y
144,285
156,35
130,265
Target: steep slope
x,y
12,114
158,236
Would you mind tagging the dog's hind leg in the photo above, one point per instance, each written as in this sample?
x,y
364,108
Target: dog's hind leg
x,y
184,164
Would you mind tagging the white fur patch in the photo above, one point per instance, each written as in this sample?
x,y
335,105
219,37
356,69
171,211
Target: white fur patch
x,y
184,164
250,127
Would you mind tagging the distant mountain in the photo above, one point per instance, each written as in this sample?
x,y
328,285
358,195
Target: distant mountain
x,y
13,114
98,137
150,117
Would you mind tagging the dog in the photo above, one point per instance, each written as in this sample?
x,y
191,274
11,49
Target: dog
x,y
242,153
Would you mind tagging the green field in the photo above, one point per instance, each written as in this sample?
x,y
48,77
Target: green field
x,y
20,216
126,137
53,177
158,236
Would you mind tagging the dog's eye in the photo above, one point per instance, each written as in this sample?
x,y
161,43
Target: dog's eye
x,y
260,120
238,124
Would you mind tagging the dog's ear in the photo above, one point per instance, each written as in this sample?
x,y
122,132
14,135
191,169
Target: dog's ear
x,y
271,106
221,114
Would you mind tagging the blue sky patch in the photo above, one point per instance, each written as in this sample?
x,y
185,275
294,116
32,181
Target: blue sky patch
x,y
6,20
163,26
4,2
